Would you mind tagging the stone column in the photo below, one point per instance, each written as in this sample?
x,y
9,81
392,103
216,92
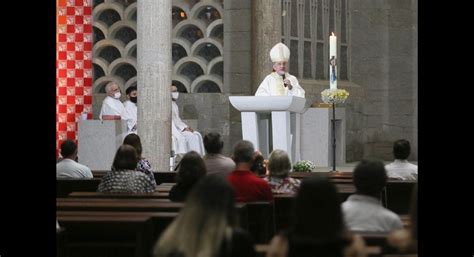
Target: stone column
x,y
266,25
154,80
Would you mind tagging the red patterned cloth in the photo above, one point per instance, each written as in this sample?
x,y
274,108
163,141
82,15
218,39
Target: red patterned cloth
x,y
73,66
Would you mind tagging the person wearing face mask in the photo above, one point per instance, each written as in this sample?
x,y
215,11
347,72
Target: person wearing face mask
x,y
112,108
131,109
280,82
185,139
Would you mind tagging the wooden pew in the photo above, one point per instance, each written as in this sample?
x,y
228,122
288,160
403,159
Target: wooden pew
x,y
160,177
65,186
159,220
107,204
112,234
154,195
397,195
261,221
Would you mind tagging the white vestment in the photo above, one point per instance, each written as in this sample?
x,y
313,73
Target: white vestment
x,y
131,109
184,141
112,106
272,85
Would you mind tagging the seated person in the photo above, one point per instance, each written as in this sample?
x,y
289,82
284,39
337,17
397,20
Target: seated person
x,y
279,166
363,210
112,108
190,170
143,164
184,137
68,167
131,109
400,168
248,186
216,162
280,82
124,178
259,167
317,227
207,225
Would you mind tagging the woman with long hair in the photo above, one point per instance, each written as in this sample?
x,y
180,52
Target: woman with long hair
x,y
143,164
191,169
317,226
206,226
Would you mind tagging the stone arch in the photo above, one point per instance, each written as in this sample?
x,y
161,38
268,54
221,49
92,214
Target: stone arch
x,y
202,79
202,42
129,11
215,24
130,47
116,27
119,62
131,82
202,4
181,63
99,85
214,62
99,9
180,27
119,45
183,80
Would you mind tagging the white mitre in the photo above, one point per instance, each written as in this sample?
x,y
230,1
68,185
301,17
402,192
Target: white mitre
x,y
280,53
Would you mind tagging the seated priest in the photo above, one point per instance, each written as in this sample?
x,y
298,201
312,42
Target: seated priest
x,y
112,108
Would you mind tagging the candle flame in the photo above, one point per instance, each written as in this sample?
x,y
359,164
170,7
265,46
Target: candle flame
x,y
181,14
332,34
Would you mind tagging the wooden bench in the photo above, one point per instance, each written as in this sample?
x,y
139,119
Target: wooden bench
x,y
261,221
112,234
154,195
160,177
115,204
397,195
65,186
159,220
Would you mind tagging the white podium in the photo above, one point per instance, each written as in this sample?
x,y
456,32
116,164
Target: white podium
x,y
316,136
271,117
98,142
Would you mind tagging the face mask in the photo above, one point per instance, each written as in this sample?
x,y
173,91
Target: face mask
x,y
175,95
133,99
117,95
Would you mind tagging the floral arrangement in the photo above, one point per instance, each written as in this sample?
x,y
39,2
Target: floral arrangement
x,y
304,166
334,96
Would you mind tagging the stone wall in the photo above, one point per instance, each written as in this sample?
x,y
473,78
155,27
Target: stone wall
x,y
383,62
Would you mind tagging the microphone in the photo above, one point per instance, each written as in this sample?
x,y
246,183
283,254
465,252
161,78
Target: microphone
x,y
283,76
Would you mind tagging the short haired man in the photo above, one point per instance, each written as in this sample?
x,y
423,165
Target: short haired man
x,y
248,187
216,162
363,210
400,168
131,109
68,167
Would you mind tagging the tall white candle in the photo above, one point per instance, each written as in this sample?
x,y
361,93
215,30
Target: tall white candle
x,y
332,45
332,61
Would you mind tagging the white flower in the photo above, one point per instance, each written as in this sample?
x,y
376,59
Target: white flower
x,y
336,96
